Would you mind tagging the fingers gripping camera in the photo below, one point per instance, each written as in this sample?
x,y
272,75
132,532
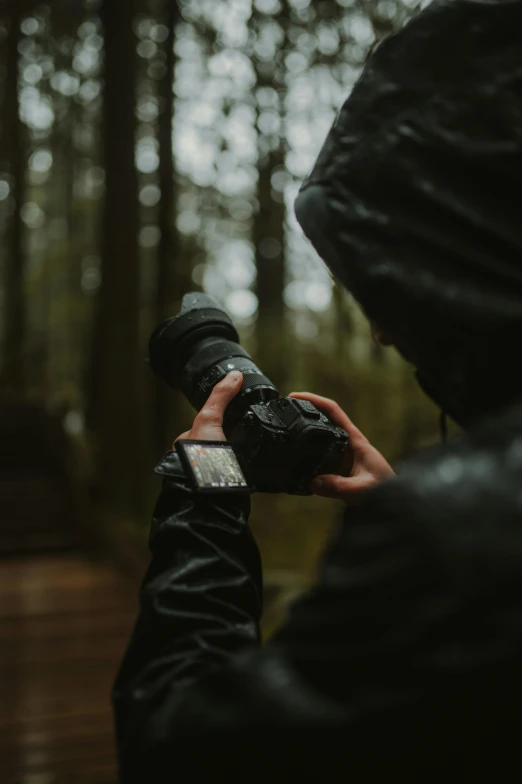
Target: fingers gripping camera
x,y
280,443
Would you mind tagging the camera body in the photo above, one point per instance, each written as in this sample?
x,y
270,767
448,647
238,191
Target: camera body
x,y
281,443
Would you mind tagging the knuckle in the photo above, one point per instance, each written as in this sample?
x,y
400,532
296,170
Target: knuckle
x,y
207,414
331,407
337,483
183,437
342,488
326,401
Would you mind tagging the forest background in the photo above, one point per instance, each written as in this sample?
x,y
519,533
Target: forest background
x,y
149,148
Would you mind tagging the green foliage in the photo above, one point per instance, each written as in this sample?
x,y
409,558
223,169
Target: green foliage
x,y
255,90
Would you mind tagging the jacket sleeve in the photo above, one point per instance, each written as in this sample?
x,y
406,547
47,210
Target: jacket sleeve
x,y
196,690
200,604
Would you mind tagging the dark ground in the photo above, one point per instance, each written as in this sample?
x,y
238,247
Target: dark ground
x,y
64,622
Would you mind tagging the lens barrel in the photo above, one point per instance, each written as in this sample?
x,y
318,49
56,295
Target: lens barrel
x,y
197,348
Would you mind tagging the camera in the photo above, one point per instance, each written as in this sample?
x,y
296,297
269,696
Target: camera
x,y
281,443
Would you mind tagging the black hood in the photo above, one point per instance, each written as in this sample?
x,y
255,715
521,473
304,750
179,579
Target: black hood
x,y
415,202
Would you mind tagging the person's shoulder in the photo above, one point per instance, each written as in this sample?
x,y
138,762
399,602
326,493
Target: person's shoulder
x,y
487,460
468,488
448,528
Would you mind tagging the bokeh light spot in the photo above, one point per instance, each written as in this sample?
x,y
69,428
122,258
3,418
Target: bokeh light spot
x,y
146,49
318,296
91,279
35,109
241,210
147,159
74,423
295,294
267,6
41,161
150,195
65,83
5,190
242,304
32,73
29,26
159,33
188,222
149,236
32,215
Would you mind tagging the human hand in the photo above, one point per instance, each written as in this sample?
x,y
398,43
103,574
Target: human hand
x,y
368,468
208,424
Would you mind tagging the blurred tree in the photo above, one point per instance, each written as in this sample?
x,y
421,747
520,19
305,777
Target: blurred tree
x,y
117,415
67,154
269,231
257,85
173,272
13,152
168,247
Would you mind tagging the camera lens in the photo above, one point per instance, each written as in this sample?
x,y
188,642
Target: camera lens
x,y
197,348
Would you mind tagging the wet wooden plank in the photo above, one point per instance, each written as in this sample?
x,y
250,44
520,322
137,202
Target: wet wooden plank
x,y
64,624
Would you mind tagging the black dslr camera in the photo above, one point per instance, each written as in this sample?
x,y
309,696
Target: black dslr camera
x,y
281,444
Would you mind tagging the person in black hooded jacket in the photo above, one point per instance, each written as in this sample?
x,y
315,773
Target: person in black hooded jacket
x,y
405,659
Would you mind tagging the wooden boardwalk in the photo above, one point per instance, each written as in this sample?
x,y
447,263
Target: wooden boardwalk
x,y
64,623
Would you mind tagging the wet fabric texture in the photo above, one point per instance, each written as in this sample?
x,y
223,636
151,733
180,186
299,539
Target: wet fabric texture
x,y
405,656
404,662
414,201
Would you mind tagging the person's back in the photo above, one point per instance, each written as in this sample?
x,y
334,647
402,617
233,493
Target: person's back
x,y
405,660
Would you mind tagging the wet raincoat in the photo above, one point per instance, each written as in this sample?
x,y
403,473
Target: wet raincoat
x,y
404,661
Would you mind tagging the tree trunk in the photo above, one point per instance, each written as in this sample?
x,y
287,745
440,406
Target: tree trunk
x,y
14,317
173,273
269,236
168,248
117,414
270,243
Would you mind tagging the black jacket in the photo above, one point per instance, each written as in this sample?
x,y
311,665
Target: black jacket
x,y
405,658
404,662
